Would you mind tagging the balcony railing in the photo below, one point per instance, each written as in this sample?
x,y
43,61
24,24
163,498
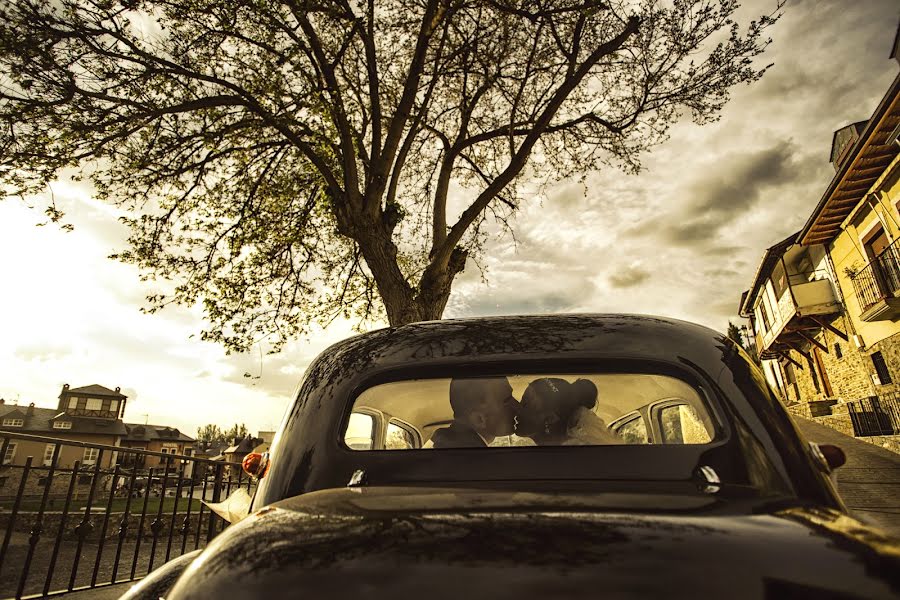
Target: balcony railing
x,y
880,279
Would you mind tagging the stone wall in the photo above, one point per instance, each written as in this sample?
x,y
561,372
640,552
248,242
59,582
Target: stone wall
x,y
888,442
11,477
890,351
839,420
50,522
850,374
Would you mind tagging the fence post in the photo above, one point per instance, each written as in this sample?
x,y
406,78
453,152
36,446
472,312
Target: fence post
x,y
217,492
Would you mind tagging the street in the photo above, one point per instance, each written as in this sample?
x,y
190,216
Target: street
x,y
870,481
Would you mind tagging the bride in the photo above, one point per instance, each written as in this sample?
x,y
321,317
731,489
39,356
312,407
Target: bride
x,y
554,412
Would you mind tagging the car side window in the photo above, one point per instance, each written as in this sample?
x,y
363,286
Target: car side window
x,y
679,424
634,431
360,434
400,437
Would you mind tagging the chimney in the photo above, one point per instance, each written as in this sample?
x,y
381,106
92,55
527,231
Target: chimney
x,y
30,410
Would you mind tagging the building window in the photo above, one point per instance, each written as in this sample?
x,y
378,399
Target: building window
x,y
94,404
73,402
113,405
90,456
13,422
62,424
837,351
10,453
48,454
767,323
812,372
884,375
779,280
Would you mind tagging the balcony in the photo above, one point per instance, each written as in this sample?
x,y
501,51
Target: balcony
x,y
800,300
802,308
877,286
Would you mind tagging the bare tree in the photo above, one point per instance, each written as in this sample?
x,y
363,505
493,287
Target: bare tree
x,y
290,161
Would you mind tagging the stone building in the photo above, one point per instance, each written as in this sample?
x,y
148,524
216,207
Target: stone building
x,y
836,343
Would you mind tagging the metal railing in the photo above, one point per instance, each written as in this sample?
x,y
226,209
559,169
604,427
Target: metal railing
x,y
875,416
82,524
879,279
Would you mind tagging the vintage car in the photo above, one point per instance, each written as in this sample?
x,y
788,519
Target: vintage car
x,y
545,456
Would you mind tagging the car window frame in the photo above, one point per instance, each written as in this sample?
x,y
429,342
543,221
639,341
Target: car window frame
x,y
377,427
408,427
635,415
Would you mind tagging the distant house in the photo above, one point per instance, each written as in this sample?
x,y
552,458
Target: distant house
x,y
155,438
264,441
87,414
240,448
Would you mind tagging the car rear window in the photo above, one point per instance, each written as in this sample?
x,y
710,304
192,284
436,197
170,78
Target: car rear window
x,y
529,410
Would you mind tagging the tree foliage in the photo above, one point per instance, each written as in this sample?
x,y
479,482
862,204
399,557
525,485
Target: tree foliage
x,y
289,161
211,433
747,343
734,333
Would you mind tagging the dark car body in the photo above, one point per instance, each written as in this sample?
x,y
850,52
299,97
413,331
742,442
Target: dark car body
x,y
580,521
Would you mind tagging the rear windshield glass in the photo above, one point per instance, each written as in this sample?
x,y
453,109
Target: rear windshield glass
x,y
529,410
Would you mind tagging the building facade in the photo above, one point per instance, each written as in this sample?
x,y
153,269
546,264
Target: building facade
x,y
824,306
155,438
88,414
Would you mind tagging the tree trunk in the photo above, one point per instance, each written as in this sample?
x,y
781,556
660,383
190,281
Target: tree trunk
x,y
380,254
403,303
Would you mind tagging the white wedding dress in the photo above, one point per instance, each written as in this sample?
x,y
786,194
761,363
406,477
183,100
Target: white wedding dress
x,y
587,429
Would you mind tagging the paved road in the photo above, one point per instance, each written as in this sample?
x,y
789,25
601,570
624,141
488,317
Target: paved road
x,y
869,482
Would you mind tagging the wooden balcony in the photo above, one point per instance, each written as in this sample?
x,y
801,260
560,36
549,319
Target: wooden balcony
x,y
803,308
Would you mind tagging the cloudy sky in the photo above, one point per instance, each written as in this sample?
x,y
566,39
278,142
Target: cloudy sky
x,y
682,239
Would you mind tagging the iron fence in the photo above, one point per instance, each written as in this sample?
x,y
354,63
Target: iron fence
x,y
879,279
875,416
82,523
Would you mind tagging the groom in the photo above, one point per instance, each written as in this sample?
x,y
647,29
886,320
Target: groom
x,y
483,409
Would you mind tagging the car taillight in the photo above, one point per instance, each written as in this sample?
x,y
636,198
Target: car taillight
x,y
256,464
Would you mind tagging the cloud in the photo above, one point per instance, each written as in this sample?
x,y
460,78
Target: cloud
x,y
722,194
43,353
629,277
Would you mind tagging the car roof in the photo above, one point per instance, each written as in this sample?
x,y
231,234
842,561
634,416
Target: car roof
x,y
308,453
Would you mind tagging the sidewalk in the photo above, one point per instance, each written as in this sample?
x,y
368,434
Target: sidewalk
x,y
870,481
110,592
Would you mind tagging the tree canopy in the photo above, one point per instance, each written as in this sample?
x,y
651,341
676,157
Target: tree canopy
x,y
289,161
212,433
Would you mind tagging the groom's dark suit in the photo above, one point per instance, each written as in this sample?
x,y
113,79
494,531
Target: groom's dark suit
x,y
457,435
